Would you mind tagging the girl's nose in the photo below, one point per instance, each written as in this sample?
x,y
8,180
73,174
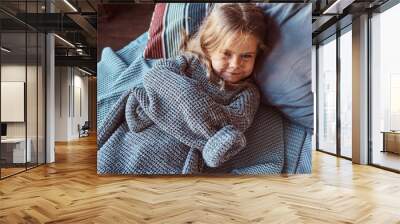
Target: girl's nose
x,y
235,62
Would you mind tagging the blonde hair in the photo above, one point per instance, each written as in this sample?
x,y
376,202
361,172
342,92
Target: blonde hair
x,y
224,21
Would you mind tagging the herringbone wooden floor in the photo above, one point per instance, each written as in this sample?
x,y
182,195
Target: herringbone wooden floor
x,y
70,191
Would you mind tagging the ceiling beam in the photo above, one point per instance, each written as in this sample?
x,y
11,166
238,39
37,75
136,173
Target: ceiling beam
x,y
84,24
78,19
337,7
320,22
81,61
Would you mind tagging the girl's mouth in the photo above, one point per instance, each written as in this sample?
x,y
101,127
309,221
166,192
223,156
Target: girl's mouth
x,y
232,73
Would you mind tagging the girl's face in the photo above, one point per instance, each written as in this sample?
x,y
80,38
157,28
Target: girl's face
x,y
234,61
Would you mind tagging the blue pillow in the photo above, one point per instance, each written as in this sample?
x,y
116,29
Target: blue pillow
x,y
284,74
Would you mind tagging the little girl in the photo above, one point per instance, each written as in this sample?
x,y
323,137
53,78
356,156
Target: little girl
x,y
192,108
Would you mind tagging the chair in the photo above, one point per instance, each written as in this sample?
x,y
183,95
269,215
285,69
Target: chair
x,y
84,130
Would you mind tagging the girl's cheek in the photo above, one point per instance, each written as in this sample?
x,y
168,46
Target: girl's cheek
x,y
224,64
219,65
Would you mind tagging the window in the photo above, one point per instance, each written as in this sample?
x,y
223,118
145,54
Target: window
x,y
327,96
22,75
314,90
346,93
385,88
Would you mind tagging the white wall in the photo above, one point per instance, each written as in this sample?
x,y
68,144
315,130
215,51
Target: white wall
x,y
82,83
61,103
70,83
33,126
12,101
12,73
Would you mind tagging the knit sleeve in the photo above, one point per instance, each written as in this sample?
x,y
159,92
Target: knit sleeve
x,y
178,104
244,107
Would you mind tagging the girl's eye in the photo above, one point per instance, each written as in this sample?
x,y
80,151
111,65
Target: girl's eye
x,y
227,54
247,56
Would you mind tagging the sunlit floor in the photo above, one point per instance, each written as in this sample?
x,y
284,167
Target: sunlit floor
x,y
386,159
7,171
70,191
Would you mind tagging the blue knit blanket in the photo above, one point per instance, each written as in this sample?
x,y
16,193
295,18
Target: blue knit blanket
x,y
178,111
120,71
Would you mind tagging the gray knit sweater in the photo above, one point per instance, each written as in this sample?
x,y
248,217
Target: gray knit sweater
x,y
176,121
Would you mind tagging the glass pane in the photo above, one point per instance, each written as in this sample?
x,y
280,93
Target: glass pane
x,y
13,87
346,94
41,98
327,97
314,86
32,85
386,89
31,101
